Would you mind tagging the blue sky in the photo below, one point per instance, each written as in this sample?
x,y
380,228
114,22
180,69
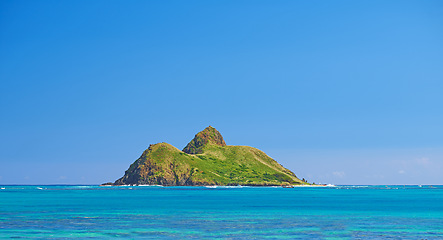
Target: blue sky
x,y
343,92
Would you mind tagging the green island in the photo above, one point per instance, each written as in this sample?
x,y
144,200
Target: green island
x,y
206,161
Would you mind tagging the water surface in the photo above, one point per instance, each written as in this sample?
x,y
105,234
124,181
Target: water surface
x,y
149,212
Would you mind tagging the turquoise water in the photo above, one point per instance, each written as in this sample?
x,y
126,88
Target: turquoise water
x,y
147,212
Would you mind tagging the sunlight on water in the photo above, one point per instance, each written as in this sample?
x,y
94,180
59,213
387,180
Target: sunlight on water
x,y
342,212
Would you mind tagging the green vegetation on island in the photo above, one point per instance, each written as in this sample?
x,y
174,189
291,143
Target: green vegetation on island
x,y
206,160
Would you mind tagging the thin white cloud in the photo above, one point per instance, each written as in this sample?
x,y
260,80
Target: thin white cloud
x,y
339,174
401,172
423,161
375,176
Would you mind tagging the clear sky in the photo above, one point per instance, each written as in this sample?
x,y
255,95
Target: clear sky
x,y
342,92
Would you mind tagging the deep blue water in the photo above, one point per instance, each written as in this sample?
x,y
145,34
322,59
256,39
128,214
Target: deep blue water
x,y
147,212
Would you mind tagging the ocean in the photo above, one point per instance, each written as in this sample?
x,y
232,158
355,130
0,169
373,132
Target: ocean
x,y
155,212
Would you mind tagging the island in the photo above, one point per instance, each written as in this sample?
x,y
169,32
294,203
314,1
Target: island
x,y
206,161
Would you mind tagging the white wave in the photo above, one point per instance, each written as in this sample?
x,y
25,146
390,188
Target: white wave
x,y
353,186
146,185
239,186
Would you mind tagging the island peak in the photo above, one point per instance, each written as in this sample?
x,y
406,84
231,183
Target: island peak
x,y
208,135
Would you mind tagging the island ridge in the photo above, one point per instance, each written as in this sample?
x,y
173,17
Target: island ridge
x,y
207,160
